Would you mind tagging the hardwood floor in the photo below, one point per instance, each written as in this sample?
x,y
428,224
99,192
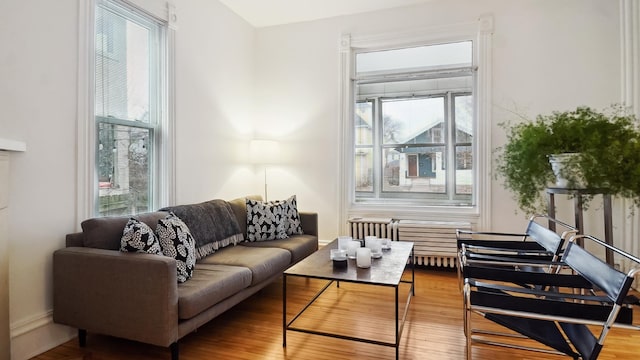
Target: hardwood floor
x,y
253,329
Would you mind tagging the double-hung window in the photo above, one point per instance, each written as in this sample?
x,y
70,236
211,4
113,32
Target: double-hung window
x,y
129,106
413,125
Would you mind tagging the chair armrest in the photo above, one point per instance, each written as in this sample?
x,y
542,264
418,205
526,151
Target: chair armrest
x,y
491,233
309,222
128,295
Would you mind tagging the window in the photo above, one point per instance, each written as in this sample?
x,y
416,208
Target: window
x,y
414,124
130,87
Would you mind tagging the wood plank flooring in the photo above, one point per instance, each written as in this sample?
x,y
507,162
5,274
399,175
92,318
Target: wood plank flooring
x,y
253,329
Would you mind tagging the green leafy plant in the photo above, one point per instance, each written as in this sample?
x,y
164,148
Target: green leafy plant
x,y
608,144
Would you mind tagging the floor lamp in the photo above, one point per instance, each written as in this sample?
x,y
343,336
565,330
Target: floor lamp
x,y
263,152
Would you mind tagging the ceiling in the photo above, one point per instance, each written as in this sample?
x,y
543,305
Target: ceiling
x,y
260,13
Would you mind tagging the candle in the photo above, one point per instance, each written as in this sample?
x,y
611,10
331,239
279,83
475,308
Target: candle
x,y
338,254
363,257
339,258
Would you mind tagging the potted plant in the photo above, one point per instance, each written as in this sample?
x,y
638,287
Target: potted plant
x,y
605,147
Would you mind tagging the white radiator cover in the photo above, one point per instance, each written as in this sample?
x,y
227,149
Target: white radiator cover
x,y
381,227
434,241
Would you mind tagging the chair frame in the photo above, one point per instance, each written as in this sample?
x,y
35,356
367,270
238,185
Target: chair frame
x,y
538,245
563,314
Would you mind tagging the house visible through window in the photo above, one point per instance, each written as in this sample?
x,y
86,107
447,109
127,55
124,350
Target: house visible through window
x,y
129,98
414,124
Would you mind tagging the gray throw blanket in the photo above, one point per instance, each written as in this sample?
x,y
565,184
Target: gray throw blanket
x,y
212,225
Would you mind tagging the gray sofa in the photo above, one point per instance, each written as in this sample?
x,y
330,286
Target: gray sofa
x,y
136,296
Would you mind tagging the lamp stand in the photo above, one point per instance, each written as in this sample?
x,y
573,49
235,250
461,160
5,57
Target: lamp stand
x,y
265,183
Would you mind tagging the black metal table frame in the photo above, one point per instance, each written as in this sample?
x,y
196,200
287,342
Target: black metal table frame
x,y
399,326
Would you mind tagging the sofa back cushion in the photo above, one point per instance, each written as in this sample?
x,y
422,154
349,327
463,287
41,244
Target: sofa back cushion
x,y
106,232
213,225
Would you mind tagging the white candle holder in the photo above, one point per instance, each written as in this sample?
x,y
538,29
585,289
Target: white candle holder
x,y
352,247
343,241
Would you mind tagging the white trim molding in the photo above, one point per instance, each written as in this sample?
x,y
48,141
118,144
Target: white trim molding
x,y
12,145
484,101
628,216
630,53
85,111
37,334
481,32
345,132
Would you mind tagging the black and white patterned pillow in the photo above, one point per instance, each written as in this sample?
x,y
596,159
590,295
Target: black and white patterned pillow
x,y
176,242
139,237
266,220
292,216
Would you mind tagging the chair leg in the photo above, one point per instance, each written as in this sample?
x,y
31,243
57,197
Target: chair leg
x,y
175,353
467,321
82,337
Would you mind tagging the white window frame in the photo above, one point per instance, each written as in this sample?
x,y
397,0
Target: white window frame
x,y
87,184
478,215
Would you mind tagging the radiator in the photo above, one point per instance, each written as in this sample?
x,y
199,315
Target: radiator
x,y
385,228
434,241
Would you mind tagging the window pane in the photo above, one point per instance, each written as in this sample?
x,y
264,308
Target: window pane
x,y
419,58
364,169
129,48
122,67
463,107
464,166
123,169
413,121
363,123
414,169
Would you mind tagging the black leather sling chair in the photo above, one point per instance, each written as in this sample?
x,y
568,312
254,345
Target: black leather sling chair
x,y
568,313
537,246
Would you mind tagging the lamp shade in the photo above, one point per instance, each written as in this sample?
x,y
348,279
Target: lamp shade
x,y
263,151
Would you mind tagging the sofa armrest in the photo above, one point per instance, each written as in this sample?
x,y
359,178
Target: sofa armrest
x,y
128,295
75,239
309,222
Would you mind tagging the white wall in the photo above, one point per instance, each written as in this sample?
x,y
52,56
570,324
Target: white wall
x,y
547,55
38,92
279,82
38,98
214,92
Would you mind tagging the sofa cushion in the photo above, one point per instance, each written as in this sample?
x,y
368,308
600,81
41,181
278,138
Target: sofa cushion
x,y
139,237
300,246
209,285
176,242
212,224
106,232
239,208
292,217
263,262
266,220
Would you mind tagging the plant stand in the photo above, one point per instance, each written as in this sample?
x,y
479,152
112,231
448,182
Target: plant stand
x,y
577,195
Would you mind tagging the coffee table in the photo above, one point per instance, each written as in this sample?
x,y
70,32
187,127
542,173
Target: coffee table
x,y
386,271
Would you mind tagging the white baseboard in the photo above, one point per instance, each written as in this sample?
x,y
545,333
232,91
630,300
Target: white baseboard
x,y
37,334
322,242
